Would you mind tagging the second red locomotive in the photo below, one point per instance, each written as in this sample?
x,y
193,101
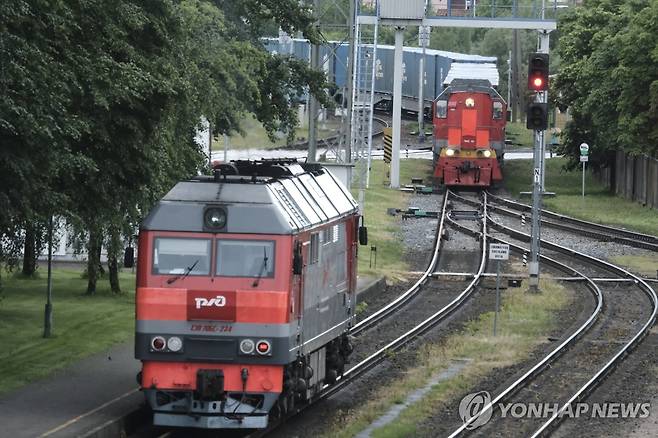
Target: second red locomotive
x,y
469,129
245,293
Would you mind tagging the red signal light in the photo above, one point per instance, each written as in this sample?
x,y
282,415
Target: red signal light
x,y
263,347
538,72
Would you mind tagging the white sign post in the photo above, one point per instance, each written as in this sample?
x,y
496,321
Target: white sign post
x,y
498,252
584,150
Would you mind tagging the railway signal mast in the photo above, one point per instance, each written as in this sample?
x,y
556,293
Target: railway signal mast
x,y
537,120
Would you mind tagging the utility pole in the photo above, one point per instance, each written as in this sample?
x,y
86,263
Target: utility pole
x,y
48,314
515,76
397,107
313,102
350,79
423,40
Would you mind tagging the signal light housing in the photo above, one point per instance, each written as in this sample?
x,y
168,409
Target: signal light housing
x,y
537,116
538,72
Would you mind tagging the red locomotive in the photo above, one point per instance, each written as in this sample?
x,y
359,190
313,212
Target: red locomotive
x,y
469,129
245,293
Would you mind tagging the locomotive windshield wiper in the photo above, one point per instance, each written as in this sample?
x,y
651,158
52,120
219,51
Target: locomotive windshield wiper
x,y
187,272
262,269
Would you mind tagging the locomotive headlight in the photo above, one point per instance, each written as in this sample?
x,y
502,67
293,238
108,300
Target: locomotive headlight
x,y
247,346
487,153
158,343
469,102
450,152
175,344
214,218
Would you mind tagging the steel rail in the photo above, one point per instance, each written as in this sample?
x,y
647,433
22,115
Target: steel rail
x,y
568,219
420,329
540,366
394,305
603,372
578,226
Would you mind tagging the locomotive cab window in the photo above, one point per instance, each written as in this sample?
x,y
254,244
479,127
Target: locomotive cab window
x,y
498,110
442,109
181,256
245,258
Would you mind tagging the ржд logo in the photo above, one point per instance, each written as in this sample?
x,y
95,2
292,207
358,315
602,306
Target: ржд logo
x,y
218,301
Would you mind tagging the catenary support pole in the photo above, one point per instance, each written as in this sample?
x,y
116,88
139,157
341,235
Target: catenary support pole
x,y
397,107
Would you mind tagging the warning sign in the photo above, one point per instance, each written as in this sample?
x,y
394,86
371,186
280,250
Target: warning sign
x,y
388,144
498,251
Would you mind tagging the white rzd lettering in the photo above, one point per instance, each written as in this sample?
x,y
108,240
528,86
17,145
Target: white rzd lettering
x,y
218,301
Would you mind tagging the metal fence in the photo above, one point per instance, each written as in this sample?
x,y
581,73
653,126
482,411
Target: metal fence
x,y
634,177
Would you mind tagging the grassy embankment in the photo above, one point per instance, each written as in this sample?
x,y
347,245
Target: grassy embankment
x,y
256,137
383,228
598,205
524,323
82,325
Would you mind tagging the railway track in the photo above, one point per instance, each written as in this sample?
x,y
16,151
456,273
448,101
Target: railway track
x,y
334,140
560,367
570,224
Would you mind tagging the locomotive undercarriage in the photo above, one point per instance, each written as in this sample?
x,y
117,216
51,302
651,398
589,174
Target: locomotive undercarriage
x,y
304,378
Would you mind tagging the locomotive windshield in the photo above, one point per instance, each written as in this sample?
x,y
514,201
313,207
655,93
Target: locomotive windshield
x,y
177,255
245,258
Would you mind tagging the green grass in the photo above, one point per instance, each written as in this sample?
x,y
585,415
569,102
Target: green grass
x,y
645,266
520,136
383,229
524,322
256,137
599,205
82,325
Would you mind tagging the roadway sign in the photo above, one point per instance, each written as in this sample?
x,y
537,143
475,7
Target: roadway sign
x,y
498,251
584,148
584,158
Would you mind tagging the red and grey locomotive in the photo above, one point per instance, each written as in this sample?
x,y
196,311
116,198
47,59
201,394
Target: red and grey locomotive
x,y
246,287
469,128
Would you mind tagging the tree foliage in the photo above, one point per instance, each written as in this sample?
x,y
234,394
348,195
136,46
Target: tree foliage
x,y
101,101
609,78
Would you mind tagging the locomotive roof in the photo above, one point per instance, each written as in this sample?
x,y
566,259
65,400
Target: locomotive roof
x,y
471,70
470,85
260,197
